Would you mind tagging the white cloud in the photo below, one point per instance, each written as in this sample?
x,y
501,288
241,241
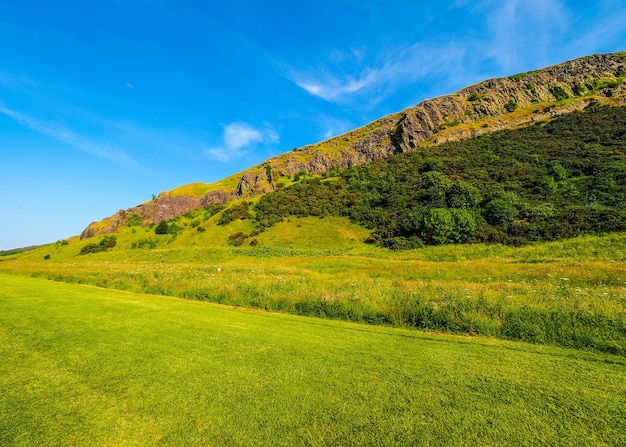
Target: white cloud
x,y
368,85
67,136
503,37
239,138
333,88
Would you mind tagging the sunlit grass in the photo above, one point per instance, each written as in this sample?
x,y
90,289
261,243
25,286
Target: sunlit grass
x,y
88,366
571,293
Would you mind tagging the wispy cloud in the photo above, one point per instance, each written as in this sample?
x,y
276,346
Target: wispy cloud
x,y
332,87
371,83
67,136
240,138
507,35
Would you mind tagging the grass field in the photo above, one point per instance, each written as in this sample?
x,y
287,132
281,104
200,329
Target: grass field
x,y
570,293
89,366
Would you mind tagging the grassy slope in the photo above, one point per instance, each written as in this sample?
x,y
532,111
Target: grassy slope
x,y
88,366
569,293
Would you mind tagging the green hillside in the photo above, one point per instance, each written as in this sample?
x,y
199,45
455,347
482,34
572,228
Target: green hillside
x,y
544,182
321,245
549,181
93,367
482,109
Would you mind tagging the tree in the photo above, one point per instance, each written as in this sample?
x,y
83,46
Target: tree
x,y
162,228
270,175
511,105
434,187
500,212
438,225
462,195
464,225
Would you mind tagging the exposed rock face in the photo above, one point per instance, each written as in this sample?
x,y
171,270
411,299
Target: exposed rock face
x,y
375,145
216,198
252,184
489,106
500,97
491,103
163,207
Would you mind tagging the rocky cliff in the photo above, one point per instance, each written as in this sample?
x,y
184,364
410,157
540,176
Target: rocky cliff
x,y
486,107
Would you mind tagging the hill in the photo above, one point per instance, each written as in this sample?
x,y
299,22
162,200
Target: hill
x,y
486,107
547,181
543,182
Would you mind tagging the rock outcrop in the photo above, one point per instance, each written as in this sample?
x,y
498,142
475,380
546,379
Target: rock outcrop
x,y
163,207
489,106
493,102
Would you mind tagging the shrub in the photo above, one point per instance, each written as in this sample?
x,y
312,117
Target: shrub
x,y
500,212
212,210
104,244
89,248
475,97
559,93
236,239
511,105
464,225
174,229
463,195
435,185
162,228
235,212
438,225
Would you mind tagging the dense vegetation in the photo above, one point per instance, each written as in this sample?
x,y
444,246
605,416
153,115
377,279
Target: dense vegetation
x,y
545,182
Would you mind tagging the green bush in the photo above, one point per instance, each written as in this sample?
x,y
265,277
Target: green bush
x,y
235,212
559,93
463,195
511,106
500,212
236,239
162,228
438,226
105,243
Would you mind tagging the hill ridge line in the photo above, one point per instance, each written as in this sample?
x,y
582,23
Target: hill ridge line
x,y
486,107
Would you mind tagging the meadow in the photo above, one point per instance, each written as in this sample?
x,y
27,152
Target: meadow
x,y
89,366
570,293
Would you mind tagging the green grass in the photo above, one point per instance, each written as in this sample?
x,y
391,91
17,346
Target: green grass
x,y
569,293
88,366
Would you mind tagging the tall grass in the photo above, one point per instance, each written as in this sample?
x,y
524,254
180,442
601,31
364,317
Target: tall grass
x,y
570,293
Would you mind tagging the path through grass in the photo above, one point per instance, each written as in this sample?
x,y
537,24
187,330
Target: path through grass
x,y
88,366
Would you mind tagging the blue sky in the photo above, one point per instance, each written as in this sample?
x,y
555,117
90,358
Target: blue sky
x,y
106,102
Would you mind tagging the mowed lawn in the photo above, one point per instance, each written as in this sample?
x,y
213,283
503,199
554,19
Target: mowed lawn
x,y
86,366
